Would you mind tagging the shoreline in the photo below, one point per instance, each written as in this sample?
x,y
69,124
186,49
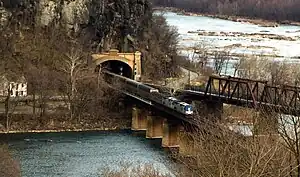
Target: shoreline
x,y
241,19
62,130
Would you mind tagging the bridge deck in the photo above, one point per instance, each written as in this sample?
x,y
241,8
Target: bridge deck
x,y
155,102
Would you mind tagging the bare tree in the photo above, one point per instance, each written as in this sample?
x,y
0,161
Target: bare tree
x,y
217,151
289,130
73,67
202,49
10,106
237,66
159,46
284,73
221,59
253,68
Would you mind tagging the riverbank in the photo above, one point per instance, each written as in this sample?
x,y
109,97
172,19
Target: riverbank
x,y
22,123
66,130
260,22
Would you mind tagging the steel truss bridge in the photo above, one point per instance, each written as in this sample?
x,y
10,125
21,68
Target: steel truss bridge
x,y
255,94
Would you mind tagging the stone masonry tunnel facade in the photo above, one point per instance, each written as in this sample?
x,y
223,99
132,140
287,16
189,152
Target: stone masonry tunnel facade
x,y
126,64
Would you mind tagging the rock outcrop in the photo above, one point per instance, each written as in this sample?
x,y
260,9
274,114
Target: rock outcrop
x,y
47,12
4,16
72,14
75,13
102,18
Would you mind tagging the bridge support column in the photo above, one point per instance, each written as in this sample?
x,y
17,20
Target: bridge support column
x,y
139,119
155,127
170,135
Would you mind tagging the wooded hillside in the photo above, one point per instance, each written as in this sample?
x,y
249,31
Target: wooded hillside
x,y
278,10
50,42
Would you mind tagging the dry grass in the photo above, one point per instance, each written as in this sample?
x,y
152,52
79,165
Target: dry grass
x,y
138,171
8,166
220,152
236,114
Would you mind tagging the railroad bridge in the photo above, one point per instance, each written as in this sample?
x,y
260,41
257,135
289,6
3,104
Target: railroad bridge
x,y
160,121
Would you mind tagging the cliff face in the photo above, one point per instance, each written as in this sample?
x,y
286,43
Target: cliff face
x,y
71,14
93,25
4,16
101,20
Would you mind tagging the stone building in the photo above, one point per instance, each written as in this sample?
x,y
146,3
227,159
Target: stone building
x,y
17,88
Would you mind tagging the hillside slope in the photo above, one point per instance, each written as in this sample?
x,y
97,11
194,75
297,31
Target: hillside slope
x,y
95,20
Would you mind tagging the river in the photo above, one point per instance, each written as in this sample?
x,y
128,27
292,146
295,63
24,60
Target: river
x,y
237,38
83,154
226,33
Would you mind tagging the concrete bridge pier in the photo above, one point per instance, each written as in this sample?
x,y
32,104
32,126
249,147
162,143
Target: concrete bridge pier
x,y
170,134
154,126
139,119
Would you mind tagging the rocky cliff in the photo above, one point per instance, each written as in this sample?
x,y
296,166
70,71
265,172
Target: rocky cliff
x,y
100,20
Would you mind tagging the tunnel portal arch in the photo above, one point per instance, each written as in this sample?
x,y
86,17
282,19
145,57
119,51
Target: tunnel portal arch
x,y
126,64
118,67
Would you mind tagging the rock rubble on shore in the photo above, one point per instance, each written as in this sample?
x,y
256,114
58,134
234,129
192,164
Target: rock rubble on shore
x,y
263,34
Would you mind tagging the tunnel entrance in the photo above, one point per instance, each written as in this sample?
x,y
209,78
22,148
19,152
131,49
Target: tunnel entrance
x,y
117,67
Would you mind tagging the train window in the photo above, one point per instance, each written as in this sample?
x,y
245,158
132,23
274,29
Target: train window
x,y
188,108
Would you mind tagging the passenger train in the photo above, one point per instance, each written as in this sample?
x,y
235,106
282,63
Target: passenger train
x,y
151,93
178,105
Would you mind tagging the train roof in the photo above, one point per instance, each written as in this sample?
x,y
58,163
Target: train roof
x,y
184,103
173,98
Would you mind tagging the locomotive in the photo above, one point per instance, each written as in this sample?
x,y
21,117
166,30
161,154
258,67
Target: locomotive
x,y
178,105
150,93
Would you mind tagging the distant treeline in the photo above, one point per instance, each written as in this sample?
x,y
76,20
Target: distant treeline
x,y
278,10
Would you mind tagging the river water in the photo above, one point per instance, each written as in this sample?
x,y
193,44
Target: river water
x,y
253,40
249,44
84,154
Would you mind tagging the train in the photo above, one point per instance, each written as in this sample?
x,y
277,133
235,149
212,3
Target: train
x,y
150,93
178,105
